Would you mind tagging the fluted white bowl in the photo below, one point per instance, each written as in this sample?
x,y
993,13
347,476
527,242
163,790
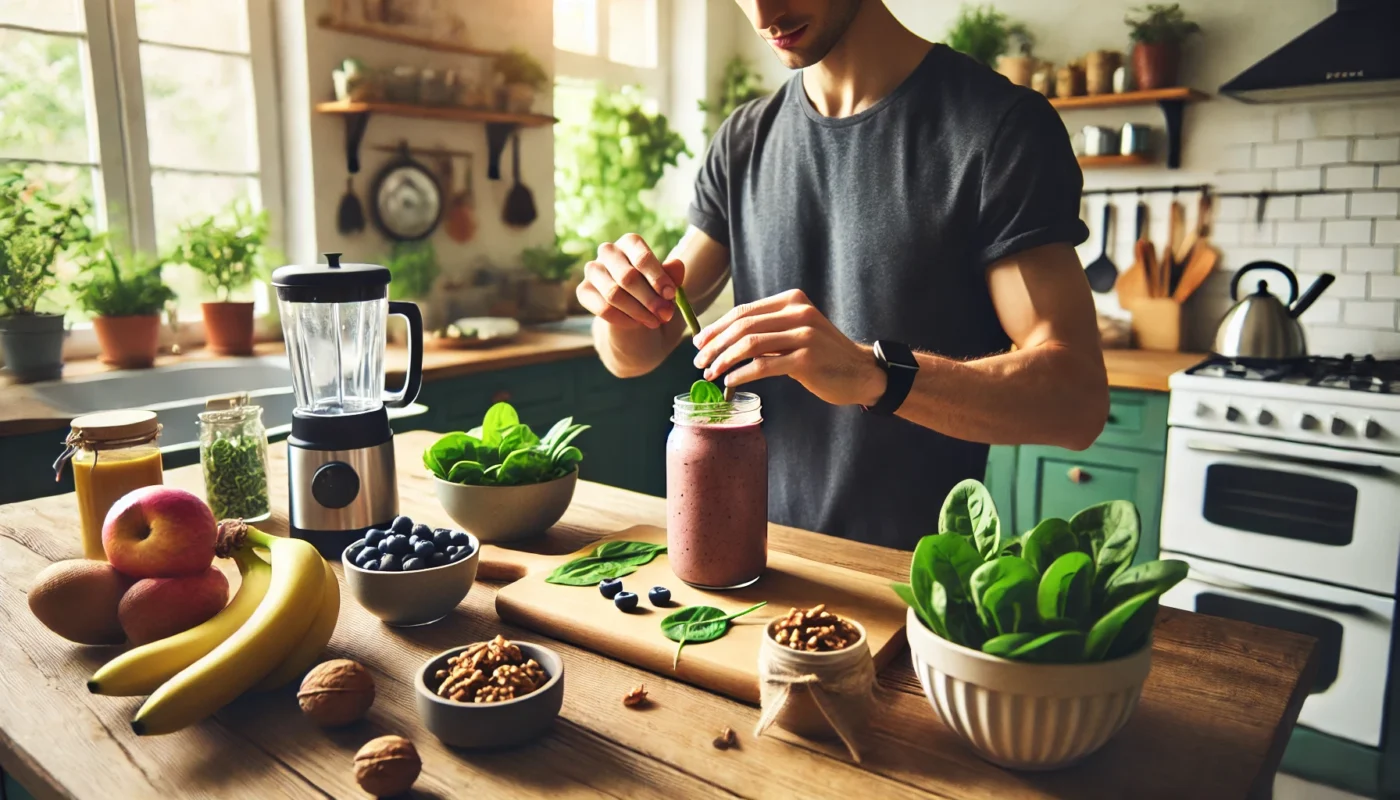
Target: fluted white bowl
x,y
1026,716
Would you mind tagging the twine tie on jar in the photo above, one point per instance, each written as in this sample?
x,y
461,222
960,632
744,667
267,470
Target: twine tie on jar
x,y
77,440
843,692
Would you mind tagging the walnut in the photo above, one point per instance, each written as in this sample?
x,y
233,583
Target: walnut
x,y
815,629
387,766
489,672
336,693
636,697
726,739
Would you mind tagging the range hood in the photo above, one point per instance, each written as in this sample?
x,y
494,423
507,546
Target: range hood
x,y
1353,53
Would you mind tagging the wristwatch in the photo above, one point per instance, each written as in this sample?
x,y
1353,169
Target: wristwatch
x,y
900,368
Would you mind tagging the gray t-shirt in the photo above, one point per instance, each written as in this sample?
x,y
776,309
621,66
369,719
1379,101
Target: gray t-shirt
x,y
886,220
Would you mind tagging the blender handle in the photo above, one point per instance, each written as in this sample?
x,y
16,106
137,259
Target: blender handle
x,y
413,380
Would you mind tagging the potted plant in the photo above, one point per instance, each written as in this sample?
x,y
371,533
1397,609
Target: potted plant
x,y
125,295
521,77
1157,38
35,229
546,294
986,35
1034,648
228,252
739,84
1019,68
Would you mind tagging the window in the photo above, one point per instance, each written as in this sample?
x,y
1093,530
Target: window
x,y
613,42
158,111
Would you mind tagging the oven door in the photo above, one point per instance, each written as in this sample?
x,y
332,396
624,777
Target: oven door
x,y
1352,629
1317,512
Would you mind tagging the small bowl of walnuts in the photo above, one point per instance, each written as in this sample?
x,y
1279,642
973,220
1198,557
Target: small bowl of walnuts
x,y
492,694
820,643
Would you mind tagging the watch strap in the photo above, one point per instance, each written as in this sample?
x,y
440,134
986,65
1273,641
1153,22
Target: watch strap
x,y
900,368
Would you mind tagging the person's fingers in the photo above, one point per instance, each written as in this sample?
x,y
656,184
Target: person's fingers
x,y
591,300
782,319
632,280
756,345
675,269
601,277
762,306
639,253
763,367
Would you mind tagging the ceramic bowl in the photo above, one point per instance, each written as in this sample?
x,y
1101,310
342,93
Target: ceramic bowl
x,y
412,598
1026,716
506,513
491,725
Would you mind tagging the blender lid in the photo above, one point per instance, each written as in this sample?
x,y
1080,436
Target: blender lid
x,y
332,283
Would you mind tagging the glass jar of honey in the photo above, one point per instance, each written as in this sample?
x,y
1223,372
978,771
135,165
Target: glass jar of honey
x,y
113,453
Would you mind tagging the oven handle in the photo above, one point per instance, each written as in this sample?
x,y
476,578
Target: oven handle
x,y
1321,463
1325,605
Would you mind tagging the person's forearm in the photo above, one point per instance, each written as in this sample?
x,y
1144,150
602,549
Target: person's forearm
x,y
629,352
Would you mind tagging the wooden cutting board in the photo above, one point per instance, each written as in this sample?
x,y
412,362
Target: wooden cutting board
x,y
582,616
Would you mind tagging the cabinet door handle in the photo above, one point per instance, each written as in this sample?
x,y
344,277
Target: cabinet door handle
x,y
1111,420
1077,475
501,396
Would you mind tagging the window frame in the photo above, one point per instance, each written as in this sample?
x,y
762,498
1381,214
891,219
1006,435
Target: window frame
x,y
654,81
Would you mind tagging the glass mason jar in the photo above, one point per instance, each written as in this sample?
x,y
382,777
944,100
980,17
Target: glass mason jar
x,y
717,492
233,453
113,453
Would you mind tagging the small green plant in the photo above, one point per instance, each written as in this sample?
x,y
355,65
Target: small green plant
x,y
503,451
739,84
1066,591
35,230
121,286
226,248
554,263
413,267
986,34
614,559
1160,23
517,66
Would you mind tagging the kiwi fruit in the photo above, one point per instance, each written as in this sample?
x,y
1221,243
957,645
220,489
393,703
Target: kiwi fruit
x,y
78,600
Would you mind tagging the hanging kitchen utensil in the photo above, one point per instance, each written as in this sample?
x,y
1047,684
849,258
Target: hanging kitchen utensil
x,y
350,215
461,216
1260,325
406,201
1132,285
1167,265
1203,255
520,203
1102,272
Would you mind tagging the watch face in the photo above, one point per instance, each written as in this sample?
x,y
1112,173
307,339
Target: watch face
x,y
896,354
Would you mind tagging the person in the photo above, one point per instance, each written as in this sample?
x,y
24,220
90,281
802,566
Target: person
x,y
893,196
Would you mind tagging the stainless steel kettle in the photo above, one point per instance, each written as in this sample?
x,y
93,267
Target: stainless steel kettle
x,y
1259,325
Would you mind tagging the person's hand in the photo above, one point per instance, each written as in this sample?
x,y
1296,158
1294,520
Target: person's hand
x,y
628,286
786,335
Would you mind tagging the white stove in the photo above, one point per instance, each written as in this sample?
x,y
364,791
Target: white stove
x,y
1283,492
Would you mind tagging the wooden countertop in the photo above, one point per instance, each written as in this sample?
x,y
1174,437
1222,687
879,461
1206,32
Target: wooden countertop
x,y
1213,718
1145,369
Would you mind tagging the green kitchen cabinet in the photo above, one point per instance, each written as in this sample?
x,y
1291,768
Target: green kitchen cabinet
x,y
1001,482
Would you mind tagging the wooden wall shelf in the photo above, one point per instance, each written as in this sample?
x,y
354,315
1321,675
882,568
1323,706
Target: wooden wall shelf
x,y
387,34
1172,102
1135,160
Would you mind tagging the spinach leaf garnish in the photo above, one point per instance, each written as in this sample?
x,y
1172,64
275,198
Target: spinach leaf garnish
x,y
698,624
608,560
503,451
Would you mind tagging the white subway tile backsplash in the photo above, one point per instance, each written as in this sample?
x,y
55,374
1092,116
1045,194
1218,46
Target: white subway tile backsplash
x,y
1385,287
1233,209
1379,150
1375,204
1387,231
1281,208
1325,310
1308,233
1324,151
1351,177
1299,179
1369,313
1322,206
1389,177
1346,231
1320,259
1276,156
1237,157
1246,232
1370,259
1251,128
1233,258
1325,340
1296,124
1378,119
1345,287
1243,181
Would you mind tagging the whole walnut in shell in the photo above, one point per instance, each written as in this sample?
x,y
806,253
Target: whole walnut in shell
x,y
387,766
336,693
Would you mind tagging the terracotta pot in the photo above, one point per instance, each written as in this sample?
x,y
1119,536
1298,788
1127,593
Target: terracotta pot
x,y
1017,69
128,342
1156,65
518,98
1098,70
228,328
33,346
545,301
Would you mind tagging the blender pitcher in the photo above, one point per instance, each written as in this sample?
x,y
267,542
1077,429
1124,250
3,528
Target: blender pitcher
x,y
340,456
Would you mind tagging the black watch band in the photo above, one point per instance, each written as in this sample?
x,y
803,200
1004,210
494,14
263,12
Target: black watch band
x,y
900,368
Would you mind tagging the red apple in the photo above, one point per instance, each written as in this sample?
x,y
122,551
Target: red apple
x,y
154,608
159,532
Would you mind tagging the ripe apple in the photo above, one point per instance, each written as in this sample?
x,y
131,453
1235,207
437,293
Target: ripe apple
x,y
154,608
159,532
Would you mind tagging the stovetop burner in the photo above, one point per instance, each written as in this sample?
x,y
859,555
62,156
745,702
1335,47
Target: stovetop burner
x,y
1363,374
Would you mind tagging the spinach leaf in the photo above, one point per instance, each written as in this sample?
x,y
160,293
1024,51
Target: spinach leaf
x,y
1008,606
1129,621
969,511
558,447
1113,528
552,435
489,476
921,607
1048,541
954,559
430,461
958,618
500,418
704,392
1066,589
1156,576
921,577
1007,643
995,571
567,460
1055,647
623,550
516,437
1012,546
468,473
698,624
608,560
447,451
523,466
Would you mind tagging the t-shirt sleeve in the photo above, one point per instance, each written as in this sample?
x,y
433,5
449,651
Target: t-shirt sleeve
x,y
1030,185
709,211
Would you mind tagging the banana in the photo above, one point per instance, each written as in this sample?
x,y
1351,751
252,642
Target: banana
x,y
293,601
143,669
308,650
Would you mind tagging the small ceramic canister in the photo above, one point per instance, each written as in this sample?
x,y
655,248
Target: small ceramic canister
x,y
819,695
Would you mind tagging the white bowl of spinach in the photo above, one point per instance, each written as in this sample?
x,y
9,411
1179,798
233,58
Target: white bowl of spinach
x,y
501,481
1033,648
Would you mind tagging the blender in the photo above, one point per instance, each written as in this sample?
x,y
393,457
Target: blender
x,y
340,456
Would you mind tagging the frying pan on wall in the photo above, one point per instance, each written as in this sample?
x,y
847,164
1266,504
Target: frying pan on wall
x,y
406,200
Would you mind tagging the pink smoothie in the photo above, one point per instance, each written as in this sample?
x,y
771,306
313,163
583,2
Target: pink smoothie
x,y
717,503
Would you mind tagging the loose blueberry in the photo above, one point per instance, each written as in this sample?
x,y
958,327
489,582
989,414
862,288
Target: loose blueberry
x,y
459,555
424,549
626,601
610,587
442,538
389,563
371,565
353,553
411,564
403,526
374,537
422,531
399,546
659,595
437,559
461,539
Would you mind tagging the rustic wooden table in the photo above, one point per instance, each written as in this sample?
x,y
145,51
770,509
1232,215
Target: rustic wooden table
x,y
1213,719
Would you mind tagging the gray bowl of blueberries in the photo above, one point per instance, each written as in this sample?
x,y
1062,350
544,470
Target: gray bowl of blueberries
x,y
411,574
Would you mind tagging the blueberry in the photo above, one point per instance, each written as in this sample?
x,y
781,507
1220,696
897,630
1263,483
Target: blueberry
x,y
387,543
399,545
460,539
371,565
413,540
459,555
424,549
365,554
626,601
466,548
659,595
353,553
403,526
411,564
442,538
610,587
389,563
422,531
374,537
437,559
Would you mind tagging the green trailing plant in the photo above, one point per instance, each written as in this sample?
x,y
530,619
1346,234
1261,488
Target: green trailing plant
x,y
607,170
226,248
986,34
1160,23
503,451
36,229
608,560
553,264
517,66
739,84
413,267
121,286
699,624
1066,591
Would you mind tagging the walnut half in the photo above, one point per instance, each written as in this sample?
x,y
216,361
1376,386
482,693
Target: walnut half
x,y
636,697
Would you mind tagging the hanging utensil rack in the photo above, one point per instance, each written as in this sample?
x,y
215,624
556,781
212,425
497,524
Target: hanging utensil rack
x,y
1262,195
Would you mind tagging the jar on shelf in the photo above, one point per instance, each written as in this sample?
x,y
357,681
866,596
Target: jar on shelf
x,y
233,454
113,453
